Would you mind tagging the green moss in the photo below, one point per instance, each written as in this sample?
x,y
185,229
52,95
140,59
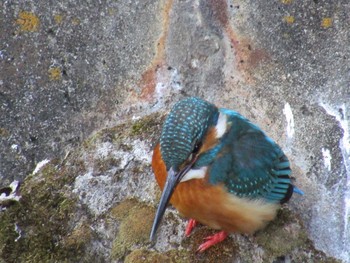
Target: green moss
x,y
46,212
42,215
146,128
146,256
78,238
287,236
135,225
224,251
145,125
282,235
122,210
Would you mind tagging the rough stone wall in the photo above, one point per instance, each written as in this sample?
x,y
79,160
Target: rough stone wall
x,y
69,69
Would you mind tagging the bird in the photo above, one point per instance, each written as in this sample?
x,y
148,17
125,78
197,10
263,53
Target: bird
x,y
219,169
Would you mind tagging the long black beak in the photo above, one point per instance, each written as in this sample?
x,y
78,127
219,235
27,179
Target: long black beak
x,y
172,181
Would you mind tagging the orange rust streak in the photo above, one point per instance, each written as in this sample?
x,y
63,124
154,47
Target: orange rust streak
x,y
148,79
148,83
219,8
246,57
213,205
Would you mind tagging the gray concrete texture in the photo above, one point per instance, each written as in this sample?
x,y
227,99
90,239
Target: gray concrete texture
x,y
69,69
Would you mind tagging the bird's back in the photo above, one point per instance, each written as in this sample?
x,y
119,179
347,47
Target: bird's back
x,y
250,164
247,176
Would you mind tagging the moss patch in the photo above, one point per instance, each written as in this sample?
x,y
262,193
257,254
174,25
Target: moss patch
x,y
282,235
47,226
135,226
225,251
146,256
287,236
145,125
42,217
146,128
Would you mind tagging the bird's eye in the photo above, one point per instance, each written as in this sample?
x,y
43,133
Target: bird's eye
x,y
197,146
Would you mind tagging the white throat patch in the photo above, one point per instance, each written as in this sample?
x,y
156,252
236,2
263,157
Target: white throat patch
x,y
221,126
194,174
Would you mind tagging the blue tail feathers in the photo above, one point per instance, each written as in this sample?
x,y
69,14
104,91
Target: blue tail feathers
x,y
297,190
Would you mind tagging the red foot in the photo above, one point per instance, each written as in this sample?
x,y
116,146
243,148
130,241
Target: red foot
x,y
212,240
190,225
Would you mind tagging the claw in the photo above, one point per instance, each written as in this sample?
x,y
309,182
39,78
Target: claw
x,y
190,225
212,240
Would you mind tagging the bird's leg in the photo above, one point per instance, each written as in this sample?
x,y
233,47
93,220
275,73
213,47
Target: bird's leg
x,y
190,225
212,240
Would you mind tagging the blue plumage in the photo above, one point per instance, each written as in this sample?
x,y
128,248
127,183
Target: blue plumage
x,y
251,164
218,168
185,125
245,160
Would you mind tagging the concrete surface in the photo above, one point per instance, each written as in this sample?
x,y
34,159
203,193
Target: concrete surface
x,y
68,69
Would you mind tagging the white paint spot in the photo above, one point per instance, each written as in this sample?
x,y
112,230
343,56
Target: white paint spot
x,y
221,126
160,88
40,165
12,196
14,147
194,63
340,116
14,185
194,174
339,112
18,231
290,120
135,118
327,158
175,80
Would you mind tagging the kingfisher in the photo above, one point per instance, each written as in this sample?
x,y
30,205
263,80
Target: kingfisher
x,y
219,169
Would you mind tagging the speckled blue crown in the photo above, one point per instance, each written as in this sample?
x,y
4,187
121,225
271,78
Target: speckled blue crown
x,y
185,125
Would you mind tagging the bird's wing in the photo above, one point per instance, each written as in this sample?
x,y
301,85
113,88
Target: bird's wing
x,y
250,164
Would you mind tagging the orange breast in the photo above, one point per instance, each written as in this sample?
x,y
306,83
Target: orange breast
x,y
212,205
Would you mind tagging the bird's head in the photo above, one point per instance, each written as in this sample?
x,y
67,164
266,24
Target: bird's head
x,y
181,140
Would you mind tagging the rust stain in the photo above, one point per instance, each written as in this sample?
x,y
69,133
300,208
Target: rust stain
x,y
148,79
219,9
247,57
256,56
148,83
28,21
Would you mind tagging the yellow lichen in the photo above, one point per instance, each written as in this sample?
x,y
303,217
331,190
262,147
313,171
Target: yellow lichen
x,y
326,22
76,21
289,19
112,11
28,21
58,19
54,73
286,2
4,132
